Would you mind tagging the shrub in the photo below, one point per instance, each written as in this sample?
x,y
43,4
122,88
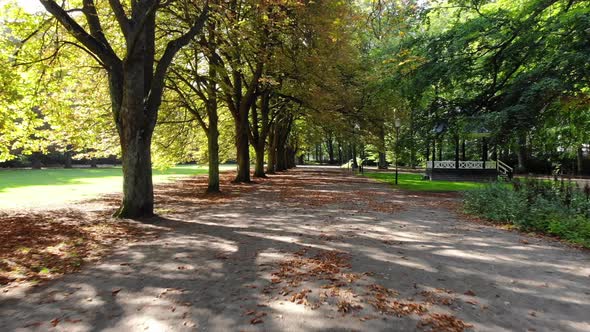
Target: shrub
x,y
557,208
496,202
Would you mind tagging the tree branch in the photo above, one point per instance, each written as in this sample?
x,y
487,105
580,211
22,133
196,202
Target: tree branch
x,y
121,17
103,52
155,95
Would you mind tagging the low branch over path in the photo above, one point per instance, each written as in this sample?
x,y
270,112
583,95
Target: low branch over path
x,y
307,250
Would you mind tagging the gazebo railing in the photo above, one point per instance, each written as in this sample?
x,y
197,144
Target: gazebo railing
x,y
463,164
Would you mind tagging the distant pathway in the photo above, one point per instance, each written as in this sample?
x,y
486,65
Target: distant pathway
x,y
315,249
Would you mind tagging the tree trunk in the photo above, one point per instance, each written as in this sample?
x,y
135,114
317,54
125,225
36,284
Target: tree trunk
x,y
580,160
243,150
281,154
213,152
434,149
412,141
135,129
93,163
463,157
521,153
484,151
272,152
457,151
330,147
68,157
290,154
259,167
355,164
301,159
382,162
138,195
36,160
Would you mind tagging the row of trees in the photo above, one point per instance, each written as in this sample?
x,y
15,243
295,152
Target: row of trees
x,y
270,81
178,80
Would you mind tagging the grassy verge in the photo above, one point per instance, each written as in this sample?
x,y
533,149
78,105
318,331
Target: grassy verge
x,y
51,187
415,182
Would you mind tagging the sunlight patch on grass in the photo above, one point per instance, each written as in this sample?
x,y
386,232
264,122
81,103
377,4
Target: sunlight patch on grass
x,y
24,188
416,182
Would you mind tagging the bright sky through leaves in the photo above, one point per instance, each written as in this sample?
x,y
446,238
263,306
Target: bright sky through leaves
x,y
30,6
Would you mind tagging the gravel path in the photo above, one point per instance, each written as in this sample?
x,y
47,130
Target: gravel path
x,y
317,250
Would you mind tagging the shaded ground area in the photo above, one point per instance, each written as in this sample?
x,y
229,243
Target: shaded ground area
x,y
39,246
310,250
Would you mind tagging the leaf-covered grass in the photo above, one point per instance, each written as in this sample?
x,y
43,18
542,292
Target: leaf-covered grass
x,y
49,187
554,208
42,246
415,182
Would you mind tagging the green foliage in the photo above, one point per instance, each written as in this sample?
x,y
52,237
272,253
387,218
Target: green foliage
x,y
554,208
496,202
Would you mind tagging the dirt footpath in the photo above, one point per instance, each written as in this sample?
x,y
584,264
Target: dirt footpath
x,y
315,250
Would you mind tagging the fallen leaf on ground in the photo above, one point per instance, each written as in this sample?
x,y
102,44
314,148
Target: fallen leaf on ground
x,y
256,320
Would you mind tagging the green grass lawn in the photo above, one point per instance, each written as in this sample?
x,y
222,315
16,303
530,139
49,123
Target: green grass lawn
x,y
415,182
22,188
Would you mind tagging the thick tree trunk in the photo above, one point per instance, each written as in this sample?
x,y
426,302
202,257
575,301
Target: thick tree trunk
x,y
259,166
135,129
68,157
330,148
290,155
212,129
93,163
355,164
213,152
382,161
272,152
138,195
36,160
301,159
243,149
281,157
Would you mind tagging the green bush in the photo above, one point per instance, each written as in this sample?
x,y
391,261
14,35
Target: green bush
x,y
556,208
495,202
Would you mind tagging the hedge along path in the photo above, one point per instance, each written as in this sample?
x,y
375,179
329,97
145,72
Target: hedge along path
x,y
270,257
